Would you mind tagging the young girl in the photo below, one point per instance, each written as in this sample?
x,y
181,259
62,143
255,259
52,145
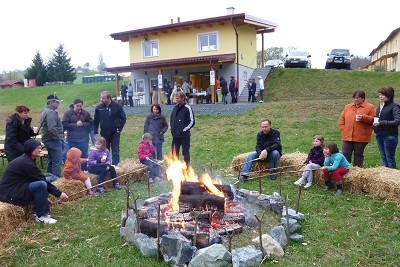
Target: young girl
x,y
99,162
145,152
315,160
72,169
336,164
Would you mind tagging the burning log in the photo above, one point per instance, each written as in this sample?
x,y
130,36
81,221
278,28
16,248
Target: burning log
x,y
230,228
201,202
149,227
234,218
202,238
195,188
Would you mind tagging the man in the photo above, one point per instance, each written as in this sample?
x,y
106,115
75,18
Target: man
x,y
124,94
261,82
181,121
168,92
111,118
185,89
23,182
53,135
232,89
268,148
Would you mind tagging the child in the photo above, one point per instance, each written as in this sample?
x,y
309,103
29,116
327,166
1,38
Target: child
x,y
335,163
145,152
72,169
315,160
99,162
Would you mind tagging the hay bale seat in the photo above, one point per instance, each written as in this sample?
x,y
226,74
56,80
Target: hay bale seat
x,y
378,182
11,217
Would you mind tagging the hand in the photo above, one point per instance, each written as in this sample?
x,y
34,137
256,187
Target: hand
x,y
264,154
79,123
376,123
103,160
63,196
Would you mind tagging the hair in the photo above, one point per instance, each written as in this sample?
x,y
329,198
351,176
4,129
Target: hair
x,y
147,136
269,121
387,91
320,138
101,140
359,94
71,106
181,94
21,109
178,85
107,93
157,106
333,148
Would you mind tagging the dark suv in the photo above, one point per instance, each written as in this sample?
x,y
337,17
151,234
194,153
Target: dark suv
x,y
339,59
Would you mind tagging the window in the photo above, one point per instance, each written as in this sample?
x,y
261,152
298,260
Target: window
x,y
208,41
150,48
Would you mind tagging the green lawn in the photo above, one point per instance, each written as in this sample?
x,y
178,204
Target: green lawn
x,y
350,230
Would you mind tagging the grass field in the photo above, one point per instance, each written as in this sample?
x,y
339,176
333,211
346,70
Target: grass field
x,y
350,230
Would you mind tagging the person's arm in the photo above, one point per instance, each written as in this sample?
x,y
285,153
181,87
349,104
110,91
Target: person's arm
x,y
396,117
190,119
96,121
164,126
88,121
342,121
146,124
52,119
12,136
335,163
121,118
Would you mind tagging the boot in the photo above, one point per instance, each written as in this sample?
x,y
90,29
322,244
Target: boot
x,y
339,189
328,186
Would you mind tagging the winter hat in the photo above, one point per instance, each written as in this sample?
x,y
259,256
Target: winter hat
x,y
53,97
76,101
31,145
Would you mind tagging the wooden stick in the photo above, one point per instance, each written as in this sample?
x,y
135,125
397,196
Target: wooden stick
x,y
287,219
260,231
298,199
196,221
230,236
158,231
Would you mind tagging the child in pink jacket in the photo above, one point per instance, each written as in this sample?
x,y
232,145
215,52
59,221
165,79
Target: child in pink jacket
x,y
145,153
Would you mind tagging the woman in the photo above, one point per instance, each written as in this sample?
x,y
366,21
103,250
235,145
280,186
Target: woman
x,y
386,128
355,123
157,125
224,89
78,124
18,130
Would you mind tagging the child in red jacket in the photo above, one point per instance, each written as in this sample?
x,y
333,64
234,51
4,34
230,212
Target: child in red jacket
x,y
145,152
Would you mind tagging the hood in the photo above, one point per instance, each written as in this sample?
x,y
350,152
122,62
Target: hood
x,y
74,154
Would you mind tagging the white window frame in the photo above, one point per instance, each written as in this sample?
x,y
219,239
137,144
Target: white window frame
x,y
155,51
209,47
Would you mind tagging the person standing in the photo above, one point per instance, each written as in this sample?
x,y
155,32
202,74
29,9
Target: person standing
x,y
232,89
130,94
168,92
224,89
24,183
78,124
124,94
154,95
53,135
18,131
387,127
185,89
268,148
111,118
156,125
181,121
355,124
261,83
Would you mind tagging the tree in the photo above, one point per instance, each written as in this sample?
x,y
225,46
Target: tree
x,y
59,68
273,53
102,65
359,62
37,70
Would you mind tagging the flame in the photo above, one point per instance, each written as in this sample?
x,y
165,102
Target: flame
x,y
208,183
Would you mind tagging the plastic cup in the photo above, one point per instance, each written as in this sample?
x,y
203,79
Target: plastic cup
x,y
358,117
376,119
35,129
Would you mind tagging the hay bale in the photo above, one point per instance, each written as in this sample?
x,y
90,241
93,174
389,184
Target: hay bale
x,y
69,187
11,217
133,170
292,161
384,183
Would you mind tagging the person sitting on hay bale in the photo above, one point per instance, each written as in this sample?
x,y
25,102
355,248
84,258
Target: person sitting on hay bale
x,y
72,169
336,164
145,153
23,183
268,148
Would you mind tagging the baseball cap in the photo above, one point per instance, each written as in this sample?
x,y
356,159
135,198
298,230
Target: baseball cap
x,y
53,97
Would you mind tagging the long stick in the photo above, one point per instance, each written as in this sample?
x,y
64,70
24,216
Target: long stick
x,y
298,199
243,163
269,174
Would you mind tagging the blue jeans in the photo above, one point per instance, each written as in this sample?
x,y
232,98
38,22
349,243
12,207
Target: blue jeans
x,y
54,147
91,134
83,147
152,168
158,153
102,172
387,147
113,146
272,158
38,191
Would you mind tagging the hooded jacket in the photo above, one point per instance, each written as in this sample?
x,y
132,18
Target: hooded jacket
x,y
145,149
72,167
157,125
16,135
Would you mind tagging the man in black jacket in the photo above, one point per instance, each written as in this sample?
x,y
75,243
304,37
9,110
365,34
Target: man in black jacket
x,y
111,118
268,148
181,121
23,182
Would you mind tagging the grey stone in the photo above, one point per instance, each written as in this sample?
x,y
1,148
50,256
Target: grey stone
x,y
214,255
292,214
271,247
130,229
176,249
146,245
279,234
297,237
293,225
246,256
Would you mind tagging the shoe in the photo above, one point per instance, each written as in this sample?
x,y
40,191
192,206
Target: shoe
x,y
339,192
326,188
261,101
273,177
92,193
308,185
101,190
45,219
151,180
157,179
243,178
117,185
300,181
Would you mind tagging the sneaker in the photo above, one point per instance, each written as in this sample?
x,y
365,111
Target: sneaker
x,y
101,190
243,178
151,180
326,188
92,193
339,192
308,185
273,177
117,185
157,179
300,181
261,101
45,219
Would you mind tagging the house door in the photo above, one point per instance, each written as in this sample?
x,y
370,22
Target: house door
x,y
140,95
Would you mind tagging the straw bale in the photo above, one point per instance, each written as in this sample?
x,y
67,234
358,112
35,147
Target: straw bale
x,y
133,170
69,187
384,183
11,217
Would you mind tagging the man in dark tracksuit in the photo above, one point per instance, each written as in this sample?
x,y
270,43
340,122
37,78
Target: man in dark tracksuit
x,y
111,118
181,121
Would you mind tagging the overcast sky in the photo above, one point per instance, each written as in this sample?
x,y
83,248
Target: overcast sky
x,y
84,27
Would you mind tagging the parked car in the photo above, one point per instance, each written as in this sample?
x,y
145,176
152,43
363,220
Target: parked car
x,y
274,63
339,59
298,59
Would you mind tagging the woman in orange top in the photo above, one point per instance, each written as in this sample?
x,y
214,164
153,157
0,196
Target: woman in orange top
x,y
356,126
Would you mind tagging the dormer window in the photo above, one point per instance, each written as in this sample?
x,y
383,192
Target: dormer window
x,y
150,48
208,41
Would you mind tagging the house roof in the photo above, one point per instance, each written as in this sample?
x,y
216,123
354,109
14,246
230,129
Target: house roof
x,y
262,26
10,82
391,35
172,63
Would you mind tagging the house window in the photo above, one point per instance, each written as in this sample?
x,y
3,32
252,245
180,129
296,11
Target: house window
x,y
208,41
150,48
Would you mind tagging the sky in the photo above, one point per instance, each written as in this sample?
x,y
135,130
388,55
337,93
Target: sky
x,y
84,27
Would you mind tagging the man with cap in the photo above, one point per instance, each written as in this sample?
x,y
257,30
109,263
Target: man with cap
x,y
53,135
23,183
261,83
232,89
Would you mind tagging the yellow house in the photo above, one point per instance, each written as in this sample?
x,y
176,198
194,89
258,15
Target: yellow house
x,y
386,54
193,50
